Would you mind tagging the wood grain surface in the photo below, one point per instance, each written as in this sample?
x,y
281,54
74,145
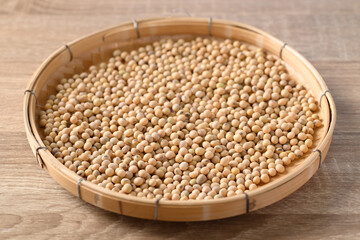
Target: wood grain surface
x,y
34,206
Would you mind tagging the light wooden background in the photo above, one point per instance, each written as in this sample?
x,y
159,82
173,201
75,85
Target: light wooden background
x,y
34,206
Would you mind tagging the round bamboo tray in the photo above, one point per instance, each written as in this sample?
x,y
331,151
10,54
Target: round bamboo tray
x,y
80,54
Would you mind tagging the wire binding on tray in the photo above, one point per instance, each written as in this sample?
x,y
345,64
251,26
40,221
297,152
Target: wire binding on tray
x,y
247,202
37,155
281,50
156,208
70,52
32,93
320,155
78,186
321,96
136,26
210,26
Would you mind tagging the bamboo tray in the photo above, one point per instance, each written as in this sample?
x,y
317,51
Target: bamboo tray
x,y
80,54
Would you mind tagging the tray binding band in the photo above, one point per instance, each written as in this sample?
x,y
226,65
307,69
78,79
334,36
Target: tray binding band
x,y
78,187
210,25
323,94
70,52
156,208
320,154
136,26
281,50
41,162
32,93
247,203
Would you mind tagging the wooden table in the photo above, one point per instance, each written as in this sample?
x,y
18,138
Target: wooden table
x,y
34,206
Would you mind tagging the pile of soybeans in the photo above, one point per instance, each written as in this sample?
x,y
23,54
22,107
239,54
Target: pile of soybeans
x,y
181,120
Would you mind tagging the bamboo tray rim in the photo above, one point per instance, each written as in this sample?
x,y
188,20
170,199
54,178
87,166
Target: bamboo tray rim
x,y
35,137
